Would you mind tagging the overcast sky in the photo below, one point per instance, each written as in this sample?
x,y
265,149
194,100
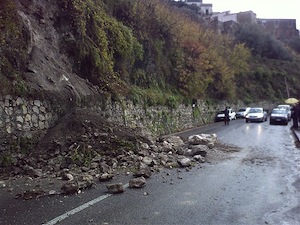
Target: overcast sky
x,y
265,9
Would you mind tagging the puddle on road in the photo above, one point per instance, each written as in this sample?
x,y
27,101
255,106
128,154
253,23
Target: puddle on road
x,y
259,160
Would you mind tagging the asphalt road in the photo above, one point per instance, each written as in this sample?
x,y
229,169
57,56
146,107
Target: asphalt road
x,y
258,185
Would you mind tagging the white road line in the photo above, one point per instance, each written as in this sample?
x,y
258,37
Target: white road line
x,y
79,208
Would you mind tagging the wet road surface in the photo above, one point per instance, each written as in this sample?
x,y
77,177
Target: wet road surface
x,y
258,185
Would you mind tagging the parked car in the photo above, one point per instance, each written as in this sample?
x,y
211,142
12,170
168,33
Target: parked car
x,y
279,115
242,112
221,115
289,110
257,114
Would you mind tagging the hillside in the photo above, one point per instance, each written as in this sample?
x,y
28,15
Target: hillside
x,y
153,52
82,52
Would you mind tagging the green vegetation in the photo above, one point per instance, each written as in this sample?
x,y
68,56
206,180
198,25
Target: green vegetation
x,y
83,155
262,43
156,53
13,45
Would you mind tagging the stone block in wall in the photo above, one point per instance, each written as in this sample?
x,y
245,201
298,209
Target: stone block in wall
x,y
34,118
35,109
24,109
26,127
37,103
8,100
41,117
9,129
8,110
20,119
43,109
19,127
19,101
28,118
41,125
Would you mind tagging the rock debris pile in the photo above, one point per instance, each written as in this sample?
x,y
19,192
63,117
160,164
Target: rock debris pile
x,y
84,150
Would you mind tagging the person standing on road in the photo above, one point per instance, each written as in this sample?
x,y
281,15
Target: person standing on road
x,y
226,113
295,115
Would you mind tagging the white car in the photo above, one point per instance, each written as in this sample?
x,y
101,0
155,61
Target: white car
x,y
242,112
256,115
221,115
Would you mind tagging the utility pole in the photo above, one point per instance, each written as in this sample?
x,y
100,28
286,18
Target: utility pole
x,y
287,87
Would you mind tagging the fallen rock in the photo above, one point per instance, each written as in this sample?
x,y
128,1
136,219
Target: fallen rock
x,y
67,176
143,173
85,181
148,161
199,158
71,187
138,182
203,139
115,188
32,194
197,150
185,162
105,177
174,140
32,172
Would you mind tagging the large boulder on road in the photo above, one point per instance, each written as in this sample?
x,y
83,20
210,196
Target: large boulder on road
x,y
197,150
203,139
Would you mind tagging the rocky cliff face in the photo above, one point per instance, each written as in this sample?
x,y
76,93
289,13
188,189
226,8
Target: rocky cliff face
x,y
48,68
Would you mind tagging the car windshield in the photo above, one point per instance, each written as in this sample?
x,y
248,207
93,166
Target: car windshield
x,y
241,110
279,111
221,112
284,106
255,110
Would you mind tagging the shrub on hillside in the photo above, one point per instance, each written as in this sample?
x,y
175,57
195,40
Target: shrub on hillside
x,y
261,42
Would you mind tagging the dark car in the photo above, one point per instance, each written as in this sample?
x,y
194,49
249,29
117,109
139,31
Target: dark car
x,y
288,108
220,116
279,115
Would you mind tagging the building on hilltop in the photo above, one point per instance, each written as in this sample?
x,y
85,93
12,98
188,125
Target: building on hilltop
x,y
205,9
282,29
246,17
241,17
224,16
194,2
226,22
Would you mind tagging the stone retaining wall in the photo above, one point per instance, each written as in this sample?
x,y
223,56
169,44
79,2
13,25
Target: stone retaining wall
x,y
25,117
159,119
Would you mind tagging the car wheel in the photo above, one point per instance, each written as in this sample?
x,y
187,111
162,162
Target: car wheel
x,y
247,121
